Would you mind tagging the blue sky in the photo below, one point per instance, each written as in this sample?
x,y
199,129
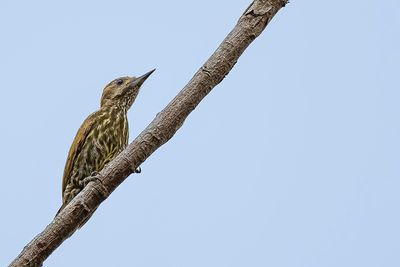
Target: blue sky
x,y
293,160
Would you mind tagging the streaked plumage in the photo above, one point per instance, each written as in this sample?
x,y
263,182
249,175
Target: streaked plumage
x,y
102,136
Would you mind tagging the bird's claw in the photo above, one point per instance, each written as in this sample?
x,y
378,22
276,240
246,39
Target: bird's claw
x,y
138,170
94,176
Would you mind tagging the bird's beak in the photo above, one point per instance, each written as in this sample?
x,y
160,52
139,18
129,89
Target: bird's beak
x,y
140,80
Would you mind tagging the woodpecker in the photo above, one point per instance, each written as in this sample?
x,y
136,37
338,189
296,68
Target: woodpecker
x,y
102,136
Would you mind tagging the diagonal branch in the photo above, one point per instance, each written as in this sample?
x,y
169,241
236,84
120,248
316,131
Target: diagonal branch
x,y
160,130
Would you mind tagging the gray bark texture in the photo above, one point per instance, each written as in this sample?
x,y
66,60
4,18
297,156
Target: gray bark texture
x,y
250,25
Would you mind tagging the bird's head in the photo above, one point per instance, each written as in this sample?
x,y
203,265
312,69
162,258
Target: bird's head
x,y
123,91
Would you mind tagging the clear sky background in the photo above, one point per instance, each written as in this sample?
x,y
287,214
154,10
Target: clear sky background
x,y
292,161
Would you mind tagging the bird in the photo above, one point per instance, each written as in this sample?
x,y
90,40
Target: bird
x,y
101,137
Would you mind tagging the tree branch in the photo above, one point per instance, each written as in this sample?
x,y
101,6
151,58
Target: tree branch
x,y
250,25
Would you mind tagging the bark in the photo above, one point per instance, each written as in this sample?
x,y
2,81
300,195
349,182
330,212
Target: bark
x,y
158,132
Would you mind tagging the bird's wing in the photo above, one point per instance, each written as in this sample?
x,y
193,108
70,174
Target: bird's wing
x,y
77,145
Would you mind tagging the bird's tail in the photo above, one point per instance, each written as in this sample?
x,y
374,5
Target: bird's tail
x,y
60,209
82,223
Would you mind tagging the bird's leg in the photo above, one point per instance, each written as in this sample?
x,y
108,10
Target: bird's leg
x,y
93,177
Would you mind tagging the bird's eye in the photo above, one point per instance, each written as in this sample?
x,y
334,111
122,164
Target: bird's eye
x,y
120,81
